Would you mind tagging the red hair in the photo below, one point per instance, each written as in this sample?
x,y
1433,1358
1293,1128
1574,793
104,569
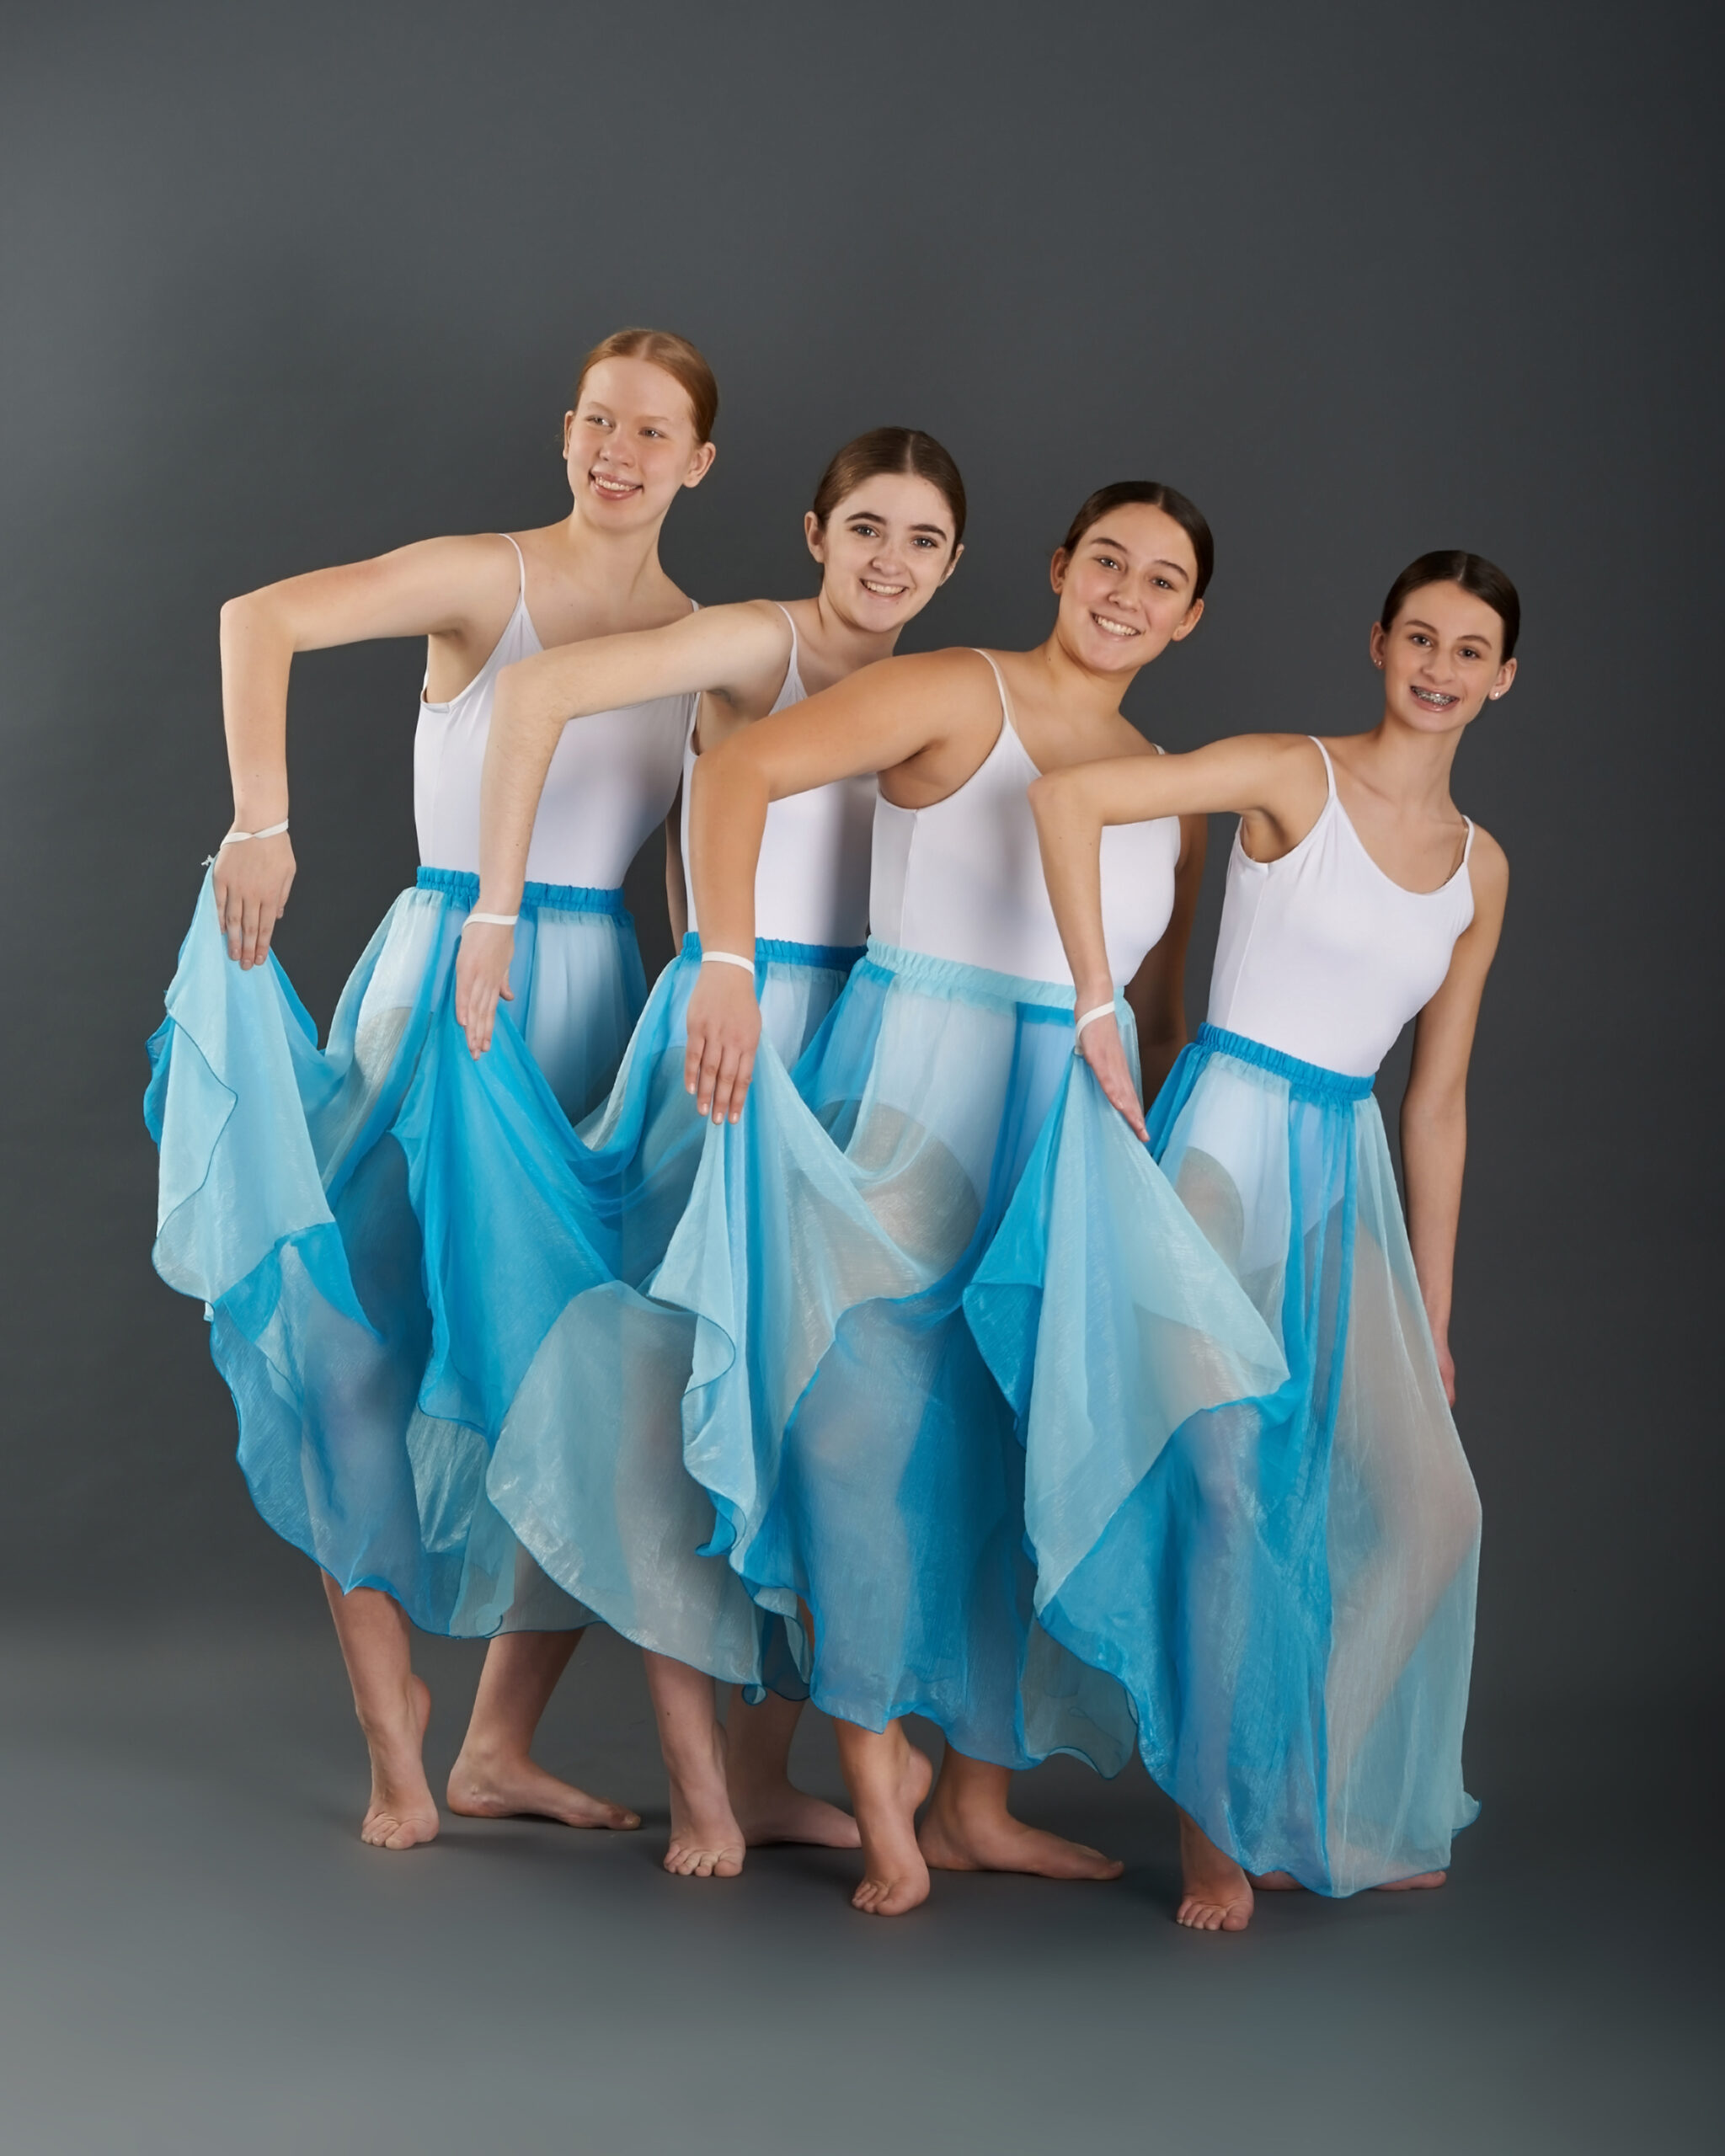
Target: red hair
x,y
675,356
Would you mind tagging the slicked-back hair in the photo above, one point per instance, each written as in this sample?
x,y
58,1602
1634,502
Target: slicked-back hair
x,y
1482,579
889,450
1150,493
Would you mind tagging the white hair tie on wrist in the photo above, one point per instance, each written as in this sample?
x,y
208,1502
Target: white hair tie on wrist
x,y
727,958
495,919
234,838
1090,1017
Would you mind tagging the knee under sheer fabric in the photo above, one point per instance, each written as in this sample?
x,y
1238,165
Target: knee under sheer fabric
x,y
1284,1586
293,1199
864,1464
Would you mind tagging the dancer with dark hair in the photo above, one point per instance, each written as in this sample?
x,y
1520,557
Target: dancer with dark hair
x,y
867,1478
1286,1590
293,1193
585,1405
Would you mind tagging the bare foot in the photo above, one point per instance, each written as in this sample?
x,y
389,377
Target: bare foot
x,y
492,1785
888,1779
779,1811
1278,1882
1218,1895
706,1841
1404,1886
402,1813
972,1838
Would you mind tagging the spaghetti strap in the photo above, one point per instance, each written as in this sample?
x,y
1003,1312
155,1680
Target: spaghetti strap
x,y
1468,848
1005,707
521,561
791,625
1329,768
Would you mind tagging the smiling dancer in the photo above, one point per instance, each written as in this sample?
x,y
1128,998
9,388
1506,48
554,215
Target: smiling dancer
x,y
865,1468
1288,1589
291,1195
589,1466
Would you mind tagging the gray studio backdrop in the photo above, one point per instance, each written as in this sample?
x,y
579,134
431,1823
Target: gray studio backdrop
x,y
284,286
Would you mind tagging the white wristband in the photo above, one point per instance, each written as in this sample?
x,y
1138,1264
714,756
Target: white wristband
x,y
1090,1017
495,919
727,958
274,831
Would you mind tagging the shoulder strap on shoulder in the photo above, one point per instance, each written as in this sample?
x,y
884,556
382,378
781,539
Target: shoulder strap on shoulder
x,y
521,563
999,682
1329,768
790,623
1468,848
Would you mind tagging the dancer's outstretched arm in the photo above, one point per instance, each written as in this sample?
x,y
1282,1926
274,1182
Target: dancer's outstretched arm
x,y
1434,1108
457,588
927,720
722,651
1276,780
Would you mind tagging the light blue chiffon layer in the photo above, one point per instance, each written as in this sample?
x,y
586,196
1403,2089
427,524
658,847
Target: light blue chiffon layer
x,y
1286,1588
293,1194
542,1259
863,1463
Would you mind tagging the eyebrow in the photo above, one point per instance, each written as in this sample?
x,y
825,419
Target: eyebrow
x,y
647,419
1467,636
1156,561
875,516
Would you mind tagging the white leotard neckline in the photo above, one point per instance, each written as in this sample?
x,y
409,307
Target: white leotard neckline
x,y
1324,955
1335,806
962,878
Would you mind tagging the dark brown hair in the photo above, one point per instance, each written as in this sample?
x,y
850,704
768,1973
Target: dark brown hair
x,y
884,450
675,356
1152,494
1482,579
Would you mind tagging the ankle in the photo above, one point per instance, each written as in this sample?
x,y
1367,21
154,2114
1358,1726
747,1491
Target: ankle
x,y
388,1732
486,1749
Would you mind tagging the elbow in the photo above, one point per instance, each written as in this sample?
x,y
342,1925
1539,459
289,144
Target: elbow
x,y
239,612
248,617
728,766
1439,1111
1054,796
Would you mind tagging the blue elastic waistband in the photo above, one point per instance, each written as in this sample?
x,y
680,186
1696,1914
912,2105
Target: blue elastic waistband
x,y
463,886
774,950
1309,1079
1038,1002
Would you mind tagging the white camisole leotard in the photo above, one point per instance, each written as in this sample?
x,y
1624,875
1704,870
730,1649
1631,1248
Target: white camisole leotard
x,y
1322,956
612,778
961,879
811,885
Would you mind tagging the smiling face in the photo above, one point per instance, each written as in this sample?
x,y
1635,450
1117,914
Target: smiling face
x,y
1127,590
1442,658
886,550
630,445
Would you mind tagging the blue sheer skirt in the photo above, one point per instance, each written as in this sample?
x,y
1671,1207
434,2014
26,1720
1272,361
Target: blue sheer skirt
x,y
575,1366
1287,1590
865,1465
295,1185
